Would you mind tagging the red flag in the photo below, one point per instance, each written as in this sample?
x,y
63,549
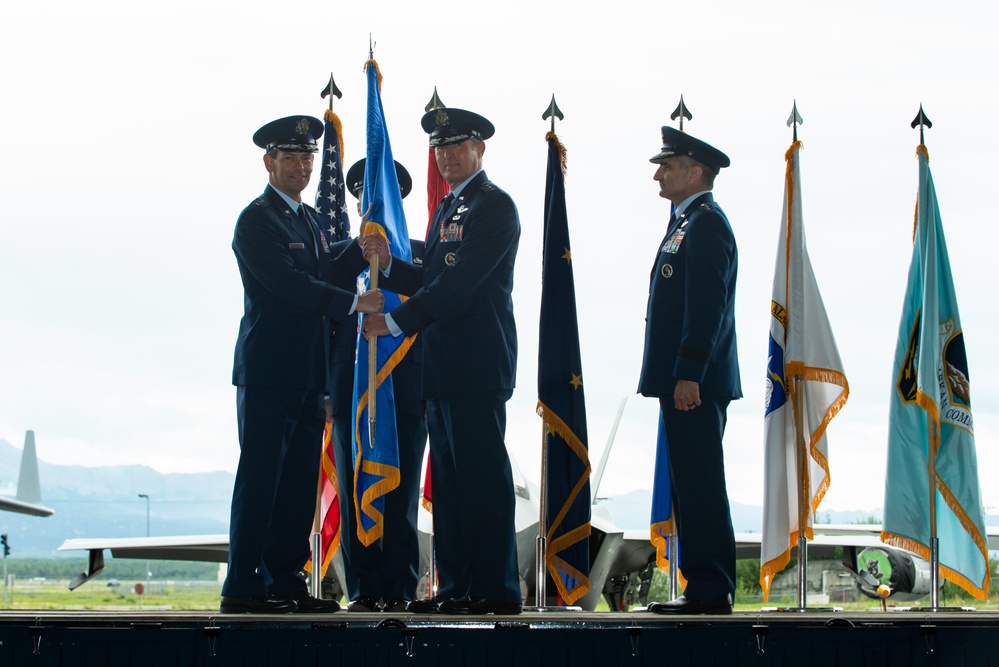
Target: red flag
x,y
428,496
437,188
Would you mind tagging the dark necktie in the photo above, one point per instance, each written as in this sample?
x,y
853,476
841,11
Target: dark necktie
x,y
445,205
304,217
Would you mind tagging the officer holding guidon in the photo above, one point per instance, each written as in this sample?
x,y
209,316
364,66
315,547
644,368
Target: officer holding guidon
x,y
461,303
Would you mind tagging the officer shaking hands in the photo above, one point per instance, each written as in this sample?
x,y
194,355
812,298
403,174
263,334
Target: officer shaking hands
x,y
461,303
281,374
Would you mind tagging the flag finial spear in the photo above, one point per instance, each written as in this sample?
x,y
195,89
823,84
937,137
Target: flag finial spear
x,y
553,112
331,90
922,121
371,48
681,112
434,103
794,120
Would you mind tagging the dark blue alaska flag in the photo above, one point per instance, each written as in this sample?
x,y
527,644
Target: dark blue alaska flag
x,y
560,398
330,195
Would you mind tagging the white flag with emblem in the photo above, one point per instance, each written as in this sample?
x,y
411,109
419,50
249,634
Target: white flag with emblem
x,y
806,387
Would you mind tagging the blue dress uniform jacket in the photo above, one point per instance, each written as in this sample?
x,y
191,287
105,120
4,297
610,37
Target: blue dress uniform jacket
x,y
690,335
461,302
289,297
690,321
465,295
281,373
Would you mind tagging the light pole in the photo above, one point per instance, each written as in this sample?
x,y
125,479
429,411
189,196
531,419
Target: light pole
x,y
146,496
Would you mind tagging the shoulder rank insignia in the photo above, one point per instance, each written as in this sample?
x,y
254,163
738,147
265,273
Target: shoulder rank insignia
x,y
488,187
708,206
261,201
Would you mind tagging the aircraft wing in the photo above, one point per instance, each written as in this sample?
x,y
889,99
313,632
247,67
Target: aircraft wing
x,y
208,548
21,507
29,491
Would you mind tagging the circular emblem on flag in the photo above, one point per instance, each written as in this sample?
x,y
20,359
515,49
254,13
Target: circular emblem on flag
x,y
667,270
449,259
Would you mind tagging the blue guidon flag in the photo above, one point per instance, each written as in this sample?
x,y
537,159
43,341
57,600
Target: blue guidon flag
x,y
377,468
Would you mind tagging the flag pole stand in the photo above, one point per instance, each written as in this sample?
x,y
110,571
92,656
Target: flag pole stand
x,y
674,563
804,503
317,541
541,578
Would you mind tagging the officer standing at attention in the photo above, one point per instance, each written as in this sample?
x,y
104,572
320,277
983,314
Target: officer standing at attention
x,y
461,302
691,365
382,575
281,375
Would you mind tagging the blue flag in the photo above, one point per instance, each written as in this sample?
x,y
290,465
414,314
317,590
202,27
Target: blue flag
x,y
330,195
661,526
560,398
931,437
377,467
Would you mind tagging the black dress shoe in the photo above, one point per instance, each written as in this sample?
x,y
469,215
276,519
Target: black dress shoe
x,y
364,603
684,605
422,606
306,604
474,605
395,606
260,604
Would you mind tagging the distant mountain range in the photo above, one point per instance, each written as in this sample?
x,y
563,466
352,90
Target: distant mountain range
x,y
103,501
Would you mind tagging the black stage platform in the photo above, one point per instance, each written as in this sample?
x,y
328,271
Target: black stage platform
x,y
550,638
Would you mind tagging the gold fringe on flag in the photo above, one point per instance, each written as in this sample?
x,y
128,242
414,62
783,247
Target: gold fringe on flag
x,y
561,150
334,120
373,63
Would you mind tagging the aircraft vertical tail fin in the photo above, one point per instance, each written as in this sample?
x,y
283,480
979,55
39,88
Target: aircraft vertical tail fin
x,y
29,488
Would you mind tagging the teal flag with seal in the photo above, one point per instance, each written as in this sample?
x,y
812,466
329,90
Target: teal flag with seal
x,y
931,436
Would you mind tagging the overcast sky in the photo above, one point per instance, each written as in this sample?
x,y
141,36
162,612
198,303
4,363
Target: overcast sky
x,y
128,156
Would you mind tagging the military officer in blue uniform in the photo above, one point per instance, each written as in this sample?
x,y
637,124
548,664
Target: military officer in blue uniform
x,y
383,575
281,373
461,302
691,366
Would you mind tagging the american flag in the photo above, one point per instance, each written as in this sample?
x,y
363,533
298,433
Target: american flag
x,y
330,196
333,213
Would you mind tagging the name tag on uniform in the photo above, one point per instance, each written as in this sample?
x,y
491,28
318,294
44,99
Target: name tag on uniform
x,y
673,242
451,232
296,246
